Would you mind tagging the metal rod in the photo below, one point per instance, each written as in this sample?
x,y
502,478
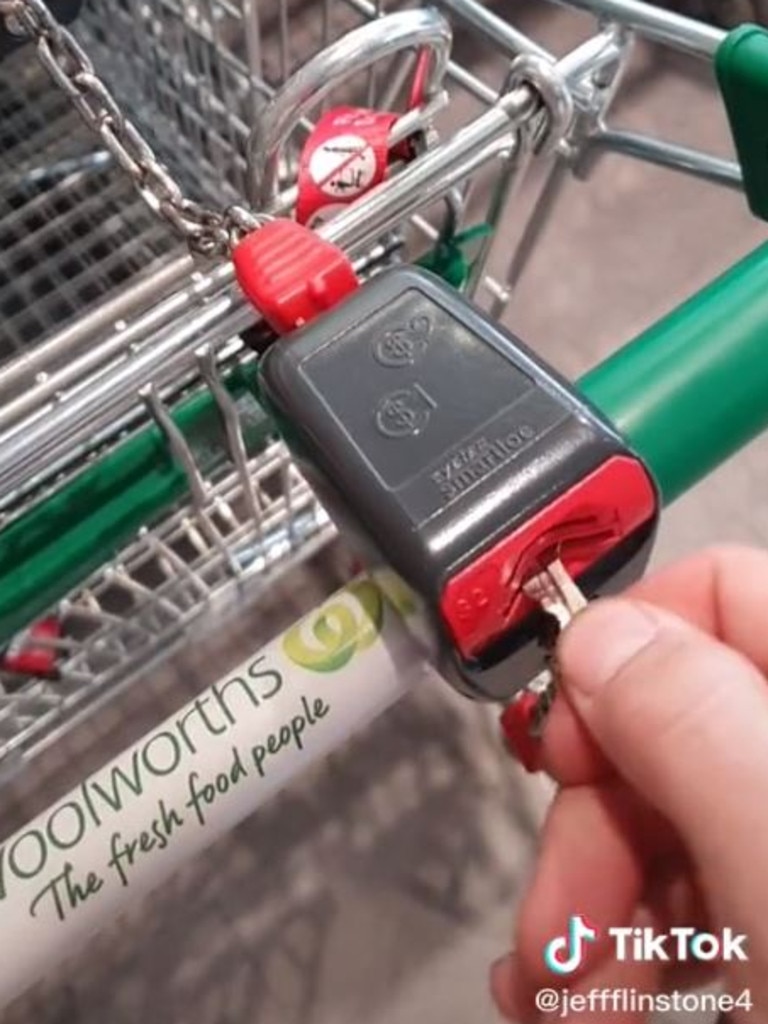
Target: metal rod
x,y
669,154
206,359
474,85
496,28
656,23
198,486
590,57
47,174
511,177
544,203
58,433
61,431
355,52
58,357
179,447
253,43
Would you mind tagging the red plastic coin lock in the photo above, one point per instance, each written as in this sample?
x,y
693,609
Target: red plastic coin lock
x,y
291,275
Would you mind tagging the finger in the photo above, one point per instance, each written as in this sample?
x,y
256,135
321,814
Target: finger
x,y
671,899
722,591
569,753
674,899
503,988
605,994
593,997
595,843
685,721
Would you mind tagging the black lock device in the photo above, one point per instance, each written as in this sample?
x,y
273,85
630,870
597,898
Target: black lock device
x,y
456,456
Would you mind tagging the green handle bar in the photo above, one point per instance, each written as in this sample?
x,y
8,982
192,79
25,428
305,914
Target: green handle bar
x,y
693,389
686,394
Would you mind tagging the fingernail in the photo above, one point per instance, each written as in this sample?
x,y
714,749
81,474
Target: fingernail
x,y
501,985
601,641
500,969
502,965
511,992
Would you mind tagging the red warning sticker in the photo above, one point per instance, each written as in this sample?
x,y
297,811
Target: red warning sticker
x,y
344,166
346,155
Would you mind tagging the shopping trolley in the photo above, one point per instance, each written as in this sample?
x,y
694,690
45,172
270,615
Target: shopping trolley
x,y
145,495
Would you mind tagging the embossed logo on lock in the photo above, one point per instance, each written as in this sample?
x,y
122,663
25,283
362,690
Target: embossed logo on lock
x,y
404,413
405,345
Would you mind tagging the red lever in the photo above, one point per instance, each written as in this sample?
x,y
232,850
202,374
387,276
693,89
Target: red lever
x,y
486,599
291,275
518,723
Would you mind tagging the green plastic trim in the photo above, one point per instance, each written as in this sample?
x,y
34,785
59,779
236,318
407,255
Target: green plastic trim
x,y
452,258
53,547
693,389
741,65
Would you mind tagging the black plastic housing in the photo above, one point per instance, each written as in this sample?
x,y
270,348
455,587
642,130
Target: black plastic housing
x,y
430,433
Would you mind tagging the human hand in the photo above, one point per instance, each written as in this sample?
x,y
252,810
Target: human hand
x,y
659,742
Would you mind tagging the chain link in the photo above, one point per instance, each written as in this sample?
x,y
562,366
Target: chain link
x,y
207,232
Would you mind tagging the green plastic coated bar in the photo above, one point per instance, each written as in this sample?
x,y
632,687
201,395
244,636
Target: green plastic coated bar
x,y
54,546
693,389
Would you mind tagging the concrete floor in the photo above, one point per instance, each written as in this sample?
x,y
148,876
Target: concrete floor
x,y
380,888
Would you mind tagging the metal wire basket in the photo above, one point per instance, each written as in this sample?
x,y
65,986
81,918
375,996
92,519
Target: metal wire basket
x,y
147,505
120,353
101,304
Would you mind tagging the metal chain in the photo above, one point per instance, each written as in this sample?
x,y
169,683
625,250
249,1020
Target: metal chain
x,y
207,232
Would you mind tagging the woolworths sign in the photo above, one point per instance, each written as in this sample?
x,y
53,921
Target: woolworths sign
x,y
128,826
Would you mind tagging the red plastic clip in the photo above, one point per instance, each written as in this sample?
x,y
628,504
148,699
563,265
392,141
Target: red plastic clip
x,y
29,654
291,275
518,724
346,155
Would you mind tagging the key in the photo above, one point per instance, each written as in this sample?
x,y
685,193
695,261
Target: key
x,y
556,593
524,718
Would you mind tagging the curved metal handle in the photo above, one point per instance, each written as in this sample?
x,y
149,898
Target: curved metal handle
x,y
354,52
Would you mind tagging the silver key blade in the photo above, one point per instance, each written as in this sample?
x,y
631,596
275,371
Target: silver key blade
x,y
559,596
556,593
544,686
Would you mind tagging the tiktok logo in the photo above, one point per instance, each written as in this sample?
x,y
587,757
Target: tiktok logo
x,y
566,953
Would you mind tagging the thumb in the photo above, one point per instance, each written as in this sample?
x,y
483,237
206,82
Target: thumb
x,y
684,719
